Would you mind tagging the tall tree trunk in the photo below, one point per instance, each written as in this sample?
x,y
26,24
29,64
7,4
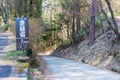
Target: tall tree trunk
x,y
30,8
92,22
113,18
98,16
78,15
39,8
73,25
6,13
3,12
25,7
105,14
68,30
11,13
78,18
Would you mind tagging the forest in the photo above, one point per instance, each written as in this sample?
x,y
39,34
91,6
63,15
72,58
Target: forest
x,y
83,30
59,22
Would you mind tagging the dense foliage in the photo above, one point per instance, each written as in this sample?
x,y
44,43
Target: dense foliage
x,y
61,22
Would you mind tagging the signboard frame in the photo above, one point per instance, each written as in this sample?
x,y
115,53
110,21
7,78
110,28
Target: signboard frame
x,y
22,33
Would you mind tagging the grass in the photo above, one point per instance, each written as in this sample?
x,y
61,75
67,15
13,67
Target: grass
x,y
13,55
35,74
23,66
5,26
37,69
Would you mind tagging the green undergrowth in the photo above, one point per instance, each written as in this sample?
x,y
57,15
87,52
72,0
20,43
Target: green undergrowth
x,y
5,27
13,54
35,74
64,43
36,70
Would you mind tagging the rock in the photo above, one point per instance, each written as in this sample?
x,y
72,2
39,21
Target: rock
x,y
23,58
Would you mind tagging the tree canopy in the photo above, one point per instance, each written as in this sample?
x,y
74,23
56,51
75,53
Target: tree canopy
x,y
61,22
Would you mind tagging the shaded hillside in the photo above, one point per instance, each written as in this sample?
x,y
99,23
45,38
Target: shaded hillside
x,y
104,53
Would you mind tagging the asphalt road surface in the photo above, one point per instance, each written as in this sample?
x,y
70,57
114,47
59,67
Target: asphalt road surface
x,y
5,70
8,69
63,69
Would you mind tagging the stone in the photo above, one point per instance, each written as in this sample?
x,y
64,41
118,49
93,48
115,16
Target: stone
x,y
23,58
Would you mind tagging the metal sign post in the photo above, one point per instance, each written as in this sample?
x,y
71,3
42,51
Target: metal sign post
x,y
22,34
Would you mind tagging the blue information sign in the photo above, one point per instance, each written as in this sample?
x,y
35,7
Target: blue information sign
x,y
22,34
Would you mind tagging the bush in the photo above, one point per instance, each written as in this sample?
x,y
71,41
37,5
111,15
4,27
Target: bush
x,y
5,27
81,35
64,43
13,55
35,30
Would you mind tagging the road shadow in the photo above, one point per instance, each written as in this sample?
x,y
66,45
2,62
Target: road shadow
x,y
5,71
4,41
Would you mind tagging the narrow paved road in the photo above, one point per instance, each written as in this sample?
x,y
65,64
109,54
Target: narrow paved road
x,y
63,69
5,70
8,69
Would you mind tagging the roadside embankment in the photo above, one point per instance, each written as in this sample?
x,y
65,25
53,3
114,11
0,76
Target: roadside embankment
x,y
105,52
